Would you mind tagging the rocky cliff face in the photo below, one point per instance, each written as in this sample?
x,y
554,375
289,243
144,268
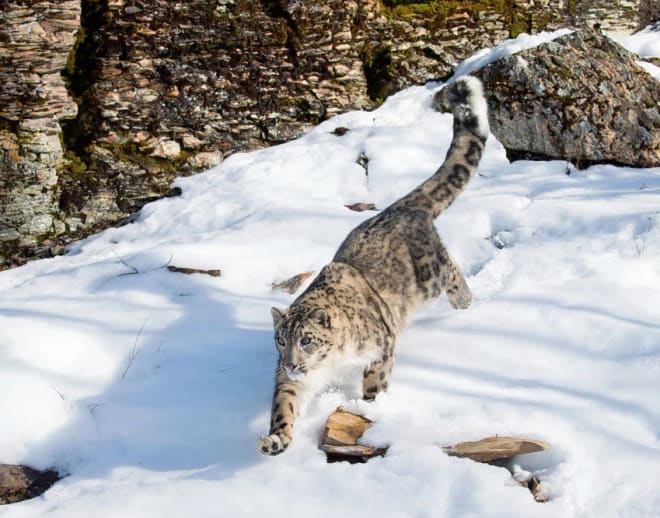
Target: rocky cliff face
x,y
36,39
165,88
649,12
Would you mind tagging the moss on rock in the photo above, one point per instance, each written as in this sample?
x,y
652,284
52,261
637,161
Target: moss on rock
x,y
439,12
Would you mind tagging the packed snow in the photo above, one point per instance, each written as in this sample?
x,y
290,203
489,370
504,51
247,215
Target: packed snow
x,y
151,388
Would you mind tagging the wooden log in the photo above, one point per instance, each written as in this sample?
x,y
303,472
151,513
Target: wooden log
x,y
494,448
344,429
340,438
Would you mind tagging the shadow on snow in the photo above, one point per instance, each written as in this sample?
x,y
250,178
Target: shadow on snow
x,y
189,397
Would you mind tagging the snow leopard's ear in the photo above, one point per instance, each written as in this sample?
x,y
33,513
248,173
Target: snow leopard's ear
x,y
277,314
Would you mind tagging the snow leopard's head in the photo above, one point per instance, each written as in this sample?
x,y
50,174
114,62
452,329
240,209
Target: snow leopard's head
x,y
304,338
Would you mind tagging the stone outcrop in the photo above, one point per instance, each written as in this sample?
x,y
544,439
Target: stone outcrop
x,y
165,88
649,13
601,14
35,41
19,483
581,98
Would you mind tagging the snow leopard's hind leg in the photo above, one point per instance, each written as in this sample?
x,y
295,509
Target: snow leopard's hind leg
x,y
376,377
458,292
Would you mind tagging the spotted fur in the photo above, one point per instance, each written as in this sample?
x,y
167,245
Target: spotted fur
x,y
354,309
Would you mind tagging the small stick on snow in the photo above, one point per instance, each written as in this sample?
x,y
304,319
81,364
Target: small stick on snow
x,y
92,411
167,264
292,284
190,271
361,206
58,393
134,351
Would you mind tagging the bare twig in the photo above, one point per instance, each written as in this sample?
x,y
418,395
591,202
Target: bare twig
x,y
134,351
91,407
167,264
58,393
133,269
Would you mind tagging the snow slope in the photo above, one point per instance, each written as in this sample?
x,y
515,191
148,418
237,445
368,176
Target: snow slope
x,y
151,388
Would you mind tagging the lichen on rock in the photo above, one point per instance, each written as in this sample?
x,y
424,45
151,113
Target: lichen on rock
x,y
580,98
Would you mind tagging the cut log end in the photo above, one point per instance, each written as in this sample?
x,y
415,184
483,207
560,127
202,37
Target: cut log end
x,y
340,438
495,448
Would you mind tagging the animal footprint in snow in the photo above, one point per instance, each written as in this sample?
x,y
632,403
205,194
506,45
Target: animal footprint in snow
x,y
503,239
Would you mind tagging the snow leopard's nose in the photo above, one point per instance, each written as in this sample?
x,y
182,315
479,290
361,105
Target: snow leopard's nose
x,y
293,366
295,373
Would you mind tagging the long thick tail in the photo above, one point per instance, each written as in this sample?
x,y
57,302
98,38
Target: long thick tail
x,y
465,99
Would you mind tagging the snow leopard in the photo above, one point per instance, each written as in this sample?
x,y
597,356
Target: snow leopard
x,y
352,312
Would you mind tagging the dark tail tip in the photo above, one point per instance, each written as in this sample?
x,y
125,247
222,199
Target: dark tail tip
x,y
465,99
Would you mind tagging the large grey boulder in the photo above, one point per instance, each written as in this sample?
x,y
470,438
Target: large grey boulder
x,y
581,98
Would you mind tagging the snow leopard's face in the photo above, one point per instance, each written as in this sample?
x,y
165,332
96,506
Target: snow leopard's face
x,y
303,338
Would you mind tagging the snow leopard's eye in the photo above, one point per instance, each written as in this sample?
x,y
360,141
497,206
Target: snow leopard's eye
x,y
305,340
279,340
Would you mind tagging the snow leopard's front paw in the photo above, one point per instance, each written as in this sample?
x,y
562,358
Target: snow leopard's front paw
x,y
273,444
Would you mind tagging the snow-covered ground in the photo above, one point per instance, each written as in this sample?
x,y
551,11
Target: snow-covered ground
x,y
150,388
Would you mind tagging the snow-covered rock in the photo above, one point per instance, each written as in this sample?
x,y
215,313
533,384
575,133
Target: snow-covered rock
x,y
580,97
